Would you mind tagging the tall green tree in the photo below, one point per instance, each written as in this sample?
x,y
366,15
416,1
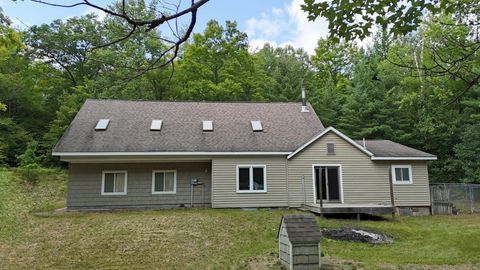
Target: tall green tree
x,y
333,64
216,65
287,71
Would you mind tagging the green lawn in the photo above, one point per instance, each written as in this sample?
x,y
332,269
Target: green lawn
x,y
203,238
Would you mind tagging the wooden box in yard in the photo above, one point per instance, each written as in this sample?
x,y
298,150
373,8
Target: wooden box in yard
x,y
299,242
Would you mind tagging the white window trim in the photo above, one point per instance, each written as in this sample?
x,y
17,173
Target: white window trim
x,y
114,193
251,178
174,182
394,178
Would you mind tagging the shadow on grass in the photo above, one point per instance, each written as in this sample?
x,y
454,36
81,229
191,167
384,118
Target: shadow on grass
x,y
363,217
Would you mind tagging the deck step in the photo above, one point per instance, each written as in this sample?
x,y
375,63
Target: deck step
x,y
374,210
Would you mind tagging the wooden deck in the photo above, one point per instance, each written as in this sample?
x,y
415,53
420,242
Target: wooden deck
x,y
374,209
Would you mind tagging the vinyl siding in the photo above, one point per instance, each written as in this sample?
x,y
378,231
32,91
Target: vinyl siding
x,y
417,193
289,183
85,180
224,177
363,180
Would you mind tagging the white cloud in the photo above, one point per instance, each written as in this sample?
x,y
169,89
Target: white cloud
x,y
287,25
100,14
264,26
257,44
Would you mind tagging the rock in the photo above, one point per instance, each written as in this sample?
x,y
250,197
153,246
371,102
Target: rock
x,y
357,235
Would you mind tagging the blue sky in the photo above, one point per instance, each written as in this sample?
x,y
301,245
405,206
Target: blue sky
x,y
278,22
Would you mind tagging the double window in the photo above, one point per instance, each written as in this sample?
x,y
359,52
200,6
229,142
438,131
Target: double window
x,y
164,182
114,183
251,178
402,174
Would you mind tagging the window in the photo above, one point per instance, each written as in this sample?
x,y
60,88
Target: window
x,y
330,149
156,125
114,183
102,124
402,174
207,126
257,126
251,178
164,182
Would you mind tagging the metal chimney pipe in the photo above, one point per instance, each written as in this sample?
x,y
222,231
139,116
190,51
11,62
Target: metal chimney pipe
x,y
304,101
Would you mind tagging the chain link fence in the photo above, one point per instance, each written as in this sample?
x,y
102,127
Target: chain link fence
x,y
455,198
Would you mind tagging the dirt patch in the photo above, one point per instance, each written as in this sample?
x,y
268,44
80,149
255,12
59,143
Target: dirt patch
x,y
357,235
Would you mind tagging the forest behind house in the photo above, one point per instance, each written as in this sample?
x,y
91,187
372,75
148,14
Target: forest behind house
x,y
388,89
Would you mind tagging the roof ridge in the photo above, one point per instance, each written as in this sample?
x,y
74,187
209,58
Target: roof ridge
x,y
369,140
199,101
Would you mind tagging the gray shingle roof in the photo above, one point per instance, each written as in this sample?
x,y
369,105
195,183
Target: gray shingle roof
x,y
285,127
386,148
302,228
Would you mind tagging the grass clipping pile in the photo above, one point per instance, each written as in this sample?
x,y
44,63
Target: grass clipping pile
x,y
357,235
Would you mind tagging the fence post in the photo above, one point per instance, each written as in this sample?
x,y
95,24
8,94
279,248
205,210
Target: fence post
x,y
471,198
432,206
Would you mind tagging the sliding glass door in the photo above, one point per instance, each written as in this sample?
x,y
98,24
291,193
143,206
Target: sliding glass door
x,y
327,183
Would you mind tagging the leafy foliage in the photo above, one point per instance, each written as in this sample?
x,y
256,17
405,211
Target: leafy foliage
x,y
29,158
218,66
356,19
421,89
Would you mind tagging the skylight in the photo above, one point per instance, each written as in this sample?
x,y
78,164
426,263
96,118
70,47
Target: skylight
x,y
102,124
208,125
156,125
257,126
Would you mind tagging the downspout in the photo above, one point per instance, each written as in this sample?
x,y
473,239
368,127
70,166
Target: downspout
x,y
286,178
392,196
303,190
320,187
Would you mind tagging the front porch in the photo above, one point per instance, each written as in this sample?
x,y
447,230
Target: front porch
x,y
349,208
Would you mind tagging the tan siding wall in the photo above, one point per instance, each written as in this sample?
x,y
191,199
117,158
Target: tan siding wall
x,y
224,185
364,181
417,193
85,180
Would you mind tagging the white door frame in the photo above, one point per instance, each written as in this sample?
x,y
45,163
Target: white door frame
x,y
340,179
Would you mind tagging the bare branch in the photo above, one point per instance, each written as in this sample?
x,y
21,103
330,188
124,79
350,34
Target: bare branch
x,y
59,5
149,25
117,40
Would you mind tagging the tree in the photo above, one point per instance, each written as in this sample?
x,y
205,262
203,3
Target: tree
x,y
467,153
356,20
163,14
352,20
67,45
19,79
29,158
218,66
13,141
333,63
287,70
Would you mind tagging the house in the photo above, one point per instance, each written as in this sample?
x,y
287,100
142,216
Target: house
x,y
127,154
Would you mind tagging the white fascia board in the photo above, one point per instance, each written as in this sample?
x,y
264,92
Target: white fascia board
x,y
343,136
83,154
403,158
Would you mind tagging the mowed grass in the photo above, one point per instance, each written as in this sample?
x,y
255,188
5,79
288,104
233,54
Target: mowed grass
x,y
203,238
431,240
